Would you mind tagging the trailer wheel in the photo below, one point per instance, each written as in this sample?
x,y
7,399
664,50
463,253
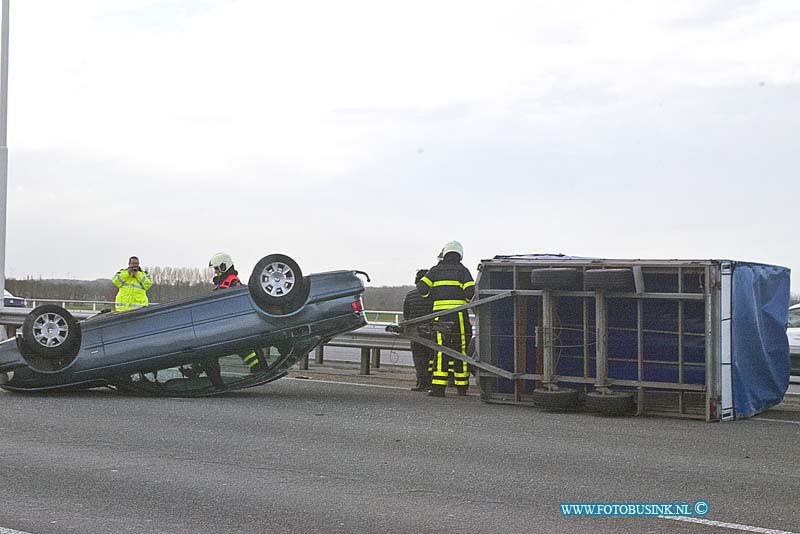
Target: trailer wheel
x,y
609,279
556,278
614,403
277,285
557,399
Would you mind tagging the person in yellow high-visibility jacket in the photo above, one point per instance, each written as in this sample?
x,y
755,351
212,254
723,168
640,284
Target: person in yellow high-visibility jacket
x,y
133,284
449,285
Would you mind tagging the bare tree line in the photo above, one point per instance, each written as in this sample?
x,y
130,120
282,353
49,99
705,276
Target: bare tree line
x,y
169,284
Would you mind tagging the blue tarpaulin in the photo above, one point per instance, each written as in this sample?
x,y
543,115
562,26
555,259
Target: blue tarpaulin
x,y
760,349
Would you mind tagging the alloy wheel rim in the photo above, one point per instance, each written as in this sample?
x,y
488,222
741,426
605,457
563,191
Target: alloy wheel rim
x,y
50,330
277,279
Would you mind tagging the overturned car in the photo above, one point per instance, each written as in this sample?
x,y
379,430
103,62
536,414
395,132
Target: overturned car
x,y
279,309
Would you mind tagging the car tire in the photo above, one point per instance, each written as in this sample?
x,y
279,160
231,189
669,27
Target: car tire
x,y
277,285
615,403
556,278
555,399
609,280
51,332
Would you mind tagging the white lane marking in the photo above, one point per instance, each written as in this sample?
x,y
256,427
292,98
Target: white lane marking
x,y
314,380
4,530
324,382
735,526
776,420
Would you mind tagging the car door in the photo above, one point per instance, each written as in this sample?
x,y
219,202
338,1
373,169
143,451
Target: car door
x,y
142,337
225,318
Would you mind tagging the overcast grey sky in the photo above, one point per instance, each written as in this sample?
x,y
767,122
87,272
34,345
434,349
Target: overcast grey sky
x,y
366,134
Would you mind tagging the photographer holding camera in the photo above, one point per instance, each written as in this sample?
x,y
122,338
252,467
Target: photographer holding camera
x,y
133,284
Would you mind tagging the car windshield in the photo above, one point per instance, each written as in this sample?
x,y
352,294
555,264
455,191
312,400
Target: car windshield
x,y
794,318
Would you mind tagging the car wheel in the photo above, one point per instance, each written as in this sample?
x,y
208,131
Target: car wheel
x,y
557,278
277,285
613,403
556,399
51,332
609,279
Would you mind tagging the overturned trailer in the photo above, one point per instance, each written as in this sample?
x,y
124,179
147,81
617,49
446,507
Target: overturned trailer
x,y
701,339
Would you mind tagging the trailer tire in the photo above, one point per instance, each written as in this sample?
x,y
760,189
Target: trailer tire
x,y
556,399
615,403
609,280
561,278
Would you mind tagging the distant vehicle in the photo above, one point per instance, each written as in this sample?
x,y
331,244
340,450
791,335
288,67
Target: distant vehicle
x,y
10,301
793,332
278,308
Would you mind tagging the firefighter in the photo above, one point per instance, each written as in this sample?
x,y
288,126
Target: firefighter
x,y
449,284
415,306
226,276
133,284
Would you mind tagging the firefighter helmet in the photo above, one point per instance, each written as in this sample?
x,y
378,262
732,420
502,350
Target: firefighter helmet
x,y
221,262
453,246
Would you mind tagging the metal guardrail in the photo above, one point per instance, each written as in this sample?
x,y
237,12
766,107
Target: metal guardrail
x,y
371,339
82,304
16,316
381,316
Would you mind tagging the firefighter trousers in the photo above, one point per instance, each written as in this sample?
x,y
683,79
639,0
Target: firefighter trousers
x,y
443,367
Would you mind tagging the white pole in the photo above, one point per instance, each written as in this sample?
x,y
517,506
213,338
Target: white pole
x,y
3,148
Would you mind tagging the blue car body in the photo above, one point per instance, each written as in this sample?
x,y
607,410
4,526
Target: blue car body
x,y
114,346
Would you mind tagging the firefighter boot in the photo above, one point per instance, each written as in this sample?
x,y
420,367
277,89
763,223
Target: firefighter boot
x,y
436,391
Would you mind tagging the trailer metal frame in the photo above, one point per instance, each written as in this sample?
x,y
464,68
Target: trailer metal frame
x,y
675,399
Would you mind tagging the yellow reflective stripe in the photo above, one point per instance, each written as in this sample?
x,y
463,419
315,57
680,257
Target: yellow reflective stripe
x,y
137,286
447,283
455,283
463,333
447,304
437,370
427,281
253,363
249,356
